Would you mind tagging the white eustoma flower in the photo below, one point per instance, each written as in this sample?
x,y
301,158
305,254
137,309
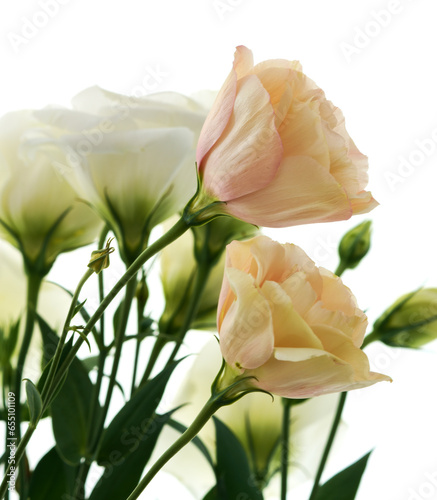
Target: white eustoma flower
x,y
39,211
254,414
53,305
136,167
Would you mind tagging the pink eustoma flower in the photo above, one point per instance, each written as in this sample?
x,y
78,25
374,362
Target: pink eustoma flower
x,y
276,151
294,327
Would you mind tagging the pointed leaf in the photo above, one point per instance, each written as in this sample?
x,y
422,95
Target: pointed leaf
x,y
344,485
34,401
133,419
123,473
70,414
234,477
52,478
78,308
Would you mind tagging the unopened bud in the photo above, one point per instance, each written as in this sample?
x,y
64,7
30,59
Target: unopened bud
x,y
100,258
354,245
411,321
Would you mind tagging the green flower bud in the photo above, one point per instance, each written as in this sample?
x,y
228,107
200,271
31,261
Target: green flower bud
x,y
100,258
354,245
411,321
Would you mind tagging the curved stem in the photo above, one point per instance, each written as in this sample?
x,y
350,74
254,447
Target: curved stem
x,y
19,453
340,269
202,418
285,441
328,445
119,341
61,343
141,304
175,232
34,280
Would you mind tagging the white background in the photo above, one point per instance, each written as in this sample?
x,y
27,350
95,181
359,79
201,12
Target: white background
x,y
376,60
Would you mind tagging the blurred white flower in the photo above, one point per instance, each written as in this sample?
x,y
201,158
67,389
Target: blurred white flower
x,y
39,211
136,166
53,306
310,424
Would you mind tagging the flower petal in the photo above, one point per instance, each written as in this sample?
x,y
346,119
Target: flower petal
x,y
302,192
247,154
246,333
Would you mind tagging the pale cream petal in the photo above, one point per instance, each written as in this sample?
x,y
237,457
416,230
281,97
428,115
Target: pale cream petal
x,y
302,133
289,327
246,333
247,154
303,373
341,346
302,192
300,291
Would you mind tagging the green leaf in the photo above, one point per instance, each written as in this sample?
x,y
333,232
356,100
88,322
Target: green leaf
x,y
212,494
234,477
123,473
70,412
91,362
78,308
125,432
34,401
344,485
52,478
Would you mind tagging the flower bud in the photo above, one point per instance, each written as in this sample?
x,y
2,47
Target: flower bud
x,y
411,321
100,258
354,245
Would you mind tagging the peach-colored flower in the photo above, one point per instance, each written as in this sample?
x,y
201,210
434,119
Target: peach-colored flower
x,y
277,151
293,326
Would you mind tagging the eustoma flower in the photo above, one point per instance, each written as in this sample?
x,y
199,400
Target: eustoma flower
x,y
39,211
131,158
296,328
276,151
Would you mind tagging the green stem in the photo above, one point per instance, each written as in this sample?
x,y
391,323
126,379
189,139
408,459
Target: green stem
x,y
61,343
212,405
371,337
19,453
96,438
285,442
141,304
34,280
175,232
328,446
119,341
341,269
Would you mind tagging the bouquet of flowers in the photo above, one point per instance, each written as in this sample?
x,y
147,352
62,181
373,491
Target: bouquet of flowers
x,y
179,189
